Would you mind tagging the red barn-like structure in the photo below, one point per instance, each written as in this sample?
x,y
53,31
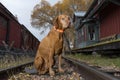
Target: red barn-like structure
x,y
100,23
109,20
11,31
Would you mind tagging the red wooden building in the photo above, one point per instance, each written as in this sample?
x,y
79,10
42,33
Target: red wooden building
x,y
100,23
11,31
109,20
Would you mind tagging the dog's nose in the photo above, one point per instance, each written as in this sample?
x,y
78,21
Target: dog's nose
x,y
69,22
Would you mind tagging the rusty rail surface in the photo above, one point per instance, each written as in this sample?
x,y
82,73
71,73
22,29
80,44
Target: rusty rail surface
x,y
89,73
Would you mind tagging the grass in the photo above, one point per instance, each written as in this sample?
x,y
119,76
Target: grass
x,y
8,60
98,60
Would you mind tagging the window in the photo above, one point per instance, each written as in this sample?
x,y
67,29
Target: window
x,y
3,21
91,31
82,31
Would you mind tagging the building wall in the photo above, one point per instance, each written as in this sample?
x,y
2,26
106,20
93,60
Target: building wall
x,y
3,29
2,34
110,21
13,31
80,38
15,34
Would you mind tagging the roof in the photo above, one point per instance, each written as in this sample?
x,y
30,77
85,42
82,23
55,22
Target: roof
x,y
8,12
117,2
80,13
93,9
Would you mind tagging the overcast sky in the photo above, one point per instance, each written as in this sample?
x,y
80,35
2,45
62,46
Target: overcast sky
x,y
23,10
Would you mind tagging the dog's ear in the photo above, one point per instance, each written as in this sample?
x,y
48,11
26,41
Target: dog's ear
x,y
56,23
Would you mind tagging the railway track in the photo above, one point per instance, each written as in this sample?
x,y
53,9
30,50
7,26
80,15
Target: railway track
x,y
89,73
5,73
74,70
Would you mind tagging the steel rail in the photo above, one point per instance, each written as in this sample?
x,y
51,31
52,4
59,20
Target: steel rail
x,y
89,73
14,69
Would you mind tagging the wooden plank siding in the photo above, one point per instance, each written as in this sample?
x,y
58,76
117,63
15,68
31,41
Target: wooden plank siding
x,y
12,31
110,21
3,28
15,34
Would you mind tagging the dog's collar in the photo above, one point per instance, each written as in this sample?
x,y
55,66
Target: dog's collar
x,y
59,30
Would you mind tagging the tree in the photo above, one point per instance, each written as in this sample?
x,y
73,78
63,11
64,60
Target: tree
x,y
43,13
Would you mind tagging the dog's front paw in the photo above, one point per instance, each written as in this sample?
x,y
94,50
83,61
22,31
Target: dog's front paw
x,y
52,73
61,70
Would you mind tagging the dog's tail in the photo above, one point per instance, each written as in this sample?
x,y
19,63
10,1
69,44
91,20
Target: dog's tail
x,y
40,65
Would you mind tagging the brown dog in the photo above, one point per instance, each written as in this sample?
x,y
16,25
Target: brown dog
x,y
50,46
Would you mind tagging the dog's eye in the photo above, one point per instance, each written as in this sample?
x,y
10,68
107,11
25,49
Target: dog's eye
x,y
62,18
68,18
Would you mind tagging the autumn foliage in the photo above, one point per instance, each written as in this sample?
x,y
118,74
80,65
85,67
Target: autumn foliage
x,y
43,13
